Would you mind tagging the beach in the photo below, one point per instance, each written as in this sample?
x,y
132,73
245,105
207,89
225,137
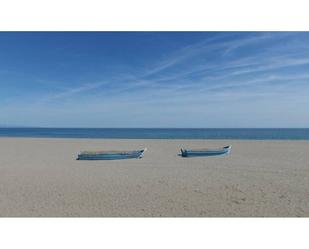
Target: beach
x,y
260,178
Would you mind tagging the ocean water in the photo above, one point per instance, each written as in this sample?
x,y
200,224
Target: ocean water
x,y
162,133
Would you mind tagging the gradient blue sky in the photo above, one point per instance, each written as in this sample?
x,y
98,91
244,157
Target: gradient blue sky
x,y
154,79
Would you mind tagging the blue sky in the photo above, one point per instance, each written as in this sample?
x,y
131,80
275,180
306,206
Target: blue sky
x,y
154,79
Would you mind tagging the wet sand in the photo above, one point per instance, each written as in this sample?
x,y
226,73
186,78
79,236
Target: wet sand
x,y
40,177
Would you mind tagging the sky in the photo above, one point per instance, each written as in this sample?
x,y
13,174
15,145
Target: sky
x,y
154,79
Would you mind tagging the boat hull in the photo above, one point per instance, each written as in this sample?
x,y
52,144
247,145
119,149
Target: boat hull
x,y
206,152
110,155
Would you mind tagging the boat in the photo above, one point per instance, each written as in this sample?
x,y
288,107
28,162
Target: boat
x,y
110,155
206,152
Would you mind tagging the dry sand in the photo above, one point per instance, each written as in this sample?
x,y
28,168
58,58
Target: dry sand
x,y
40,177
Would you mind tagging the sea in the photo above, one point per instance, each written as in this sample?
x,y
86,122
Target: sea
x,y
161,133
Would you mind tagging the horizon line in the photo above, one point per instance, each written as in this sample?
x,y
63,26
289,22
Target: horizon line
x,y
46,127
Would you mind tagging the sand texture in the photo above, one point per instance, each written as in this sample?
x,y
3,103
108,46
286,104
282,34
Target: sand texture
x,y
40,177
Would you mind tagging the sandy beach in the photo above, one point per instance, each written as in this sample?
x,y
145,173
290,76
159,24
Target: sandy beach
x,y
40,177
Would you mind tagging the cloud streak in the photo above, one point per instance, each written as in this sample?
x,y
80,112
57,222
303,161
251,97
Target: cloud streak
x,y
185,57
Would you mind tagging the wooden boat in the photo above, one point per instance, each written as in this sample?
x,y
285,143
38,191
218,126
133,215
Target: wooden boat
x,y
206,152
110,155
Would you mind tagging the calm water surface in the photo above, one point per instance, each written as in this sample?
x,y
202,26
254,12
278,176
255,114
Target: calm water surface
x,y
142,133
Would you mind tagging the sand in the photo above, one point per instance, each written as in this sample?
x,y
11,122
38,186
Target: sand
x,y
40,177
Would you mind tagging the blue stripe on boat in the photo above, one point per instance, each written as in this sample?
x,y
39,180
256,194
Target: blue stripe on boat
x,y
206,152
112,155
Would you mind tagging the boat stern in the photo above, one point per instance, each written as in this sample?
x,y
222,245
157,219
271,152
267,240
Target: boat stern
x,y
228,149
183,152
142,153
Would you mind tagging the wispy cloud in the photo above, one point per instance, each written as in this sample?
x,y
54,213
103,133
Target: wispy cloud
x,y
185,59
68,92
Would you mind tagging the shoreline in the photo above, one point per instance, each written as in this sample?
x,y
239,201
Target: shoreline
x,y
155,139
